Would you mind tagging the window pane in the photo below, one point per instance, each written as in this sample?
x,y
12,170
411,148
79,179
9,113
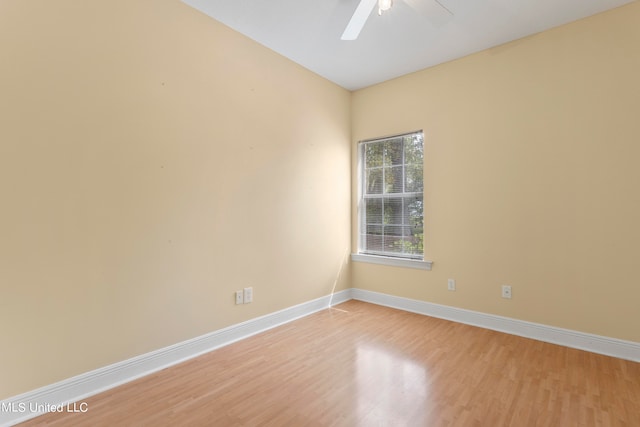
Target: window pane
x,y
393,239
410,245
373,242
373,209
413,178
393,212
374,181
374,230
414,212
393,152
414,149
373,154
393,230
393,179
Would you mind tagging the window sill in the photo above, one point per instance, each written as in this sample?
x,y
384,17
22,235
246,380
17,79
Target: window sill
x,y
394,262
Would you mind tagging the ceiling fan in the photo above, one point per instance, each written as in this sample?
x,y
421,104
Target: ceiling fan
x,y
432,9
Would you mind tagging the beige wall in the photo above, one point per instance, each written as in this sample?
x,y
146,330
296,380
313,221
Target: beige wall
x,y
532,176
152,162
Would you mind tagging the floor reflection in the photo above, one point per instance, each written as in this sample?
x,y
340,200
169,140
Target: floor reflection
x,y
391,388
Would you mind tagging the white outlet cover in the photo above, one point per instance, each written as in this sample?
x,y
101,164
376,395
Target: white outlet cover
x,y
506,291
248,295
451,284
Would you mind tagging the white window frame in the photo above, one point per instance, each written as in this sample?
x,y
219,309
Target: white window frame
x,y
395,259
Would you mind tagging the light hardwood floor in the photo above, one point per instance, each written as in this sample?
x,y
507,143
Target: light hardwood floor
x,y
359,364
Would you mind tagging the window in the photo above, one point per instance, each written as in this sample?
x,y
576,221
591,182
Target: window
x,y
390,209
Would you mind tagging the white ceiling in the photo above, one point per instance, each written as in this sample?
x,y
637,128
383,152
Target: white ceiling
x,y
400,41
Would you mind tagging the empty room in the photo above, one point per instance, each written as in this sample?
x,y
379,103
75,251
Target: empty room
x,y
330,213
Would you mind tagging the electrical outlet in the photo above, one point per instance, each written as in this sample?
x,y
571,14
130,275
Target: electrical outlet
x,y
506,291
248,295
451,284
239,297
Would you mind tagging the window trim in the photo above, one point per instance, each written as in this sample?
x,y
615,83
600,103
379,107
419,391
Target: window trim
x,y
399,261
393,262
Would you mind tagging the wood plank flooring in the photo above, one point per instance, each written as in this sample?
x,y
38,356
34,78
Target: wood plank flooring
x,y
359,364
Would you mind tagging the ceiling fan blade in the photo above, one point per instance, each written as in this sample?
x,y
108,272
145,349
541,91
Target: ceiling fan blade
x,y
433,10
358,19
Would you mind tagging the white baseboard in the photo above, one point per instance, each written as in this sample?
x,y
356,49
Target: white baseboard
x,y
31,404
18,408
628,350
